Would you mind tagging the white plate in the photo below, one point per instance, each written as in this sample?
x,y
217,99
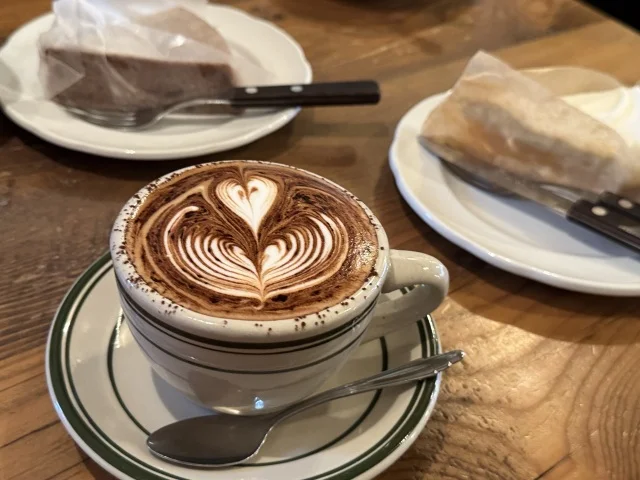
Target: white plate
x,y
108,399
517,236
247,36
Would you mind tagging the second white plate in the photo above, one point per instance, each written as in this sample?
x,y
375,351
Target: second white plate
x,y
514,235
248,36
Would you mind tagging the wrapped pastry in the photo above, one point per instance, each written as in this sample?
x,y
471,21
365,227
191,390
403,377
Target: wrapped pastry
x,y
513,120
105,54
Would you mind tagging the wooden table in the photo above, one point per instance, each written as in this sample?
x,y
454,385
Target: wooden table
x,y
551,387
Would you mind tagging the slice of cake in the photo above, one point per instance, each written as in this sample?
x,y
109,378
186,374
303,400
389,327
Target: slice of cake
x,y
502,118
144,61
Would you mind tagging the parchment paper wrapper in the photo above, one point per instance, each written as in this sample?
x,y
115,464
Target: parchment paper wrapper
x,y
529,123
106,54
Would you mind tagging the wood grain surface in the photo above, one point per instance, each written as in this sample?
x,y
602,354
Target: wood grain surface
x,y
551,387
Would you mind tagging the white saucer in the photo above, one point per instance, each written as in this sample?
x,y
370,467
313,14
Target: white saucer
x,y
108,398
247,36
517,236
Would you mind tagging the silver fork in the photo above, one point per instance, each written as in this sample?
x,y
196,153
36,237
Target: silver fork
x,y
271,96
142,118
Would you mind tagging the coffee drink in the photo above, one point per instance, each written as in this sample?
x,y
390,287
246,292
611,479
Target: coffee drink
x,y
250,241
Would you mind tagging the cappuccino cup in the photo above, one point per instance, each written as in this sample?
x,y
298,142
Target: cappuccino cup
x,y
247,284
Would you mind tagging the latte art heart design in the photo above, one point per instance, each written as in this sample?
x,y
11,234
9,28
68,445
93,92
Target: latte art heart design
x,y
251,203
301,259
250,240
304,256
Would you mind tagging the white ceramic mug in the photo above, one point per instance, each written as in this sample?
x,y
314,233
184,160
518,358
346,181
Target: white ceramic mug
x,y
249,366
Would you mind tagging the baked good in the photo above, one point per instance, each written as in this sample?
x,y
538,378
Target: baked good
x,y
116,69
507,120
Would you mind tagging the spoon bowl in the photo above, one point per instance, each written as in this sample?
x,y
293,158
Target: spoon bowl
x,y
222,440
191,442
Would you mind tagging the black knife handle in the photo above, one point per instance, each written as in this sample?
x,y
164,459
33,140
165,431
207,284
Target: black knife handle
x,y
621,204
602,219
311,94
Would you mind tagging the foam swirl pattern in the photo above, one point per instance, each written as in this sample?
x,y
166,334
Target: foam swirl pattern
x,y
250,240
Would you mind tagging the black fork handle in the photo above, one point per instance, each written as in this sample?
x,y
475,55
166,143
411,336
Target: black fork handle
x,y
365,92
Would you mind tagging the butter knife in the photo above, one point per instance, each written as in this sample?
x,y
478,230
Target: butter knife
x,y
602,216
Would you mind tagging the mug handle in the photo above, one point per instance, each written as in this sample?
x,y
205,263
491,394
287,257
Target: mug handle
x,y
431,280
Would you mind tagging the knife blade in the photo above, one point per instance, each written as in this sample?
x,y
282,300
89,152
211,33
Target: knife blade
x,y
596,216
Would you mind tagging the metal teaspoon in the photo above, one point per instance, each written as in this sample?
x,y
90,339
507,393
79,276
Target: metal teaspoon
x,y
222,440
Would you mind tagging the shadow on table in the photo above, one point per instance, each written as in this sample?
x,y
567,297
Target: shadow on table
x,y
370,13
6,128
143,170
503,297
377,19
275,147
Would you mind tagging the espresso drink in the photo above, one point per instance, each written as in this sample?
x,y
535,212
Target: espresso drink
x,y
251,240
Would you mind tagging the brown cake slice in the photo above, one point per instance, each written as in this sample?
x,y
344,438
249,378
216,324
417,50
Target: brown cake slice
x,y
113,77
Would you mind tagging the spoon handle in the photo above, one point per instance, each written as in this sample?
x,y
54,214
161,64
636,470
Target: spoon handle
x,y
409,372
